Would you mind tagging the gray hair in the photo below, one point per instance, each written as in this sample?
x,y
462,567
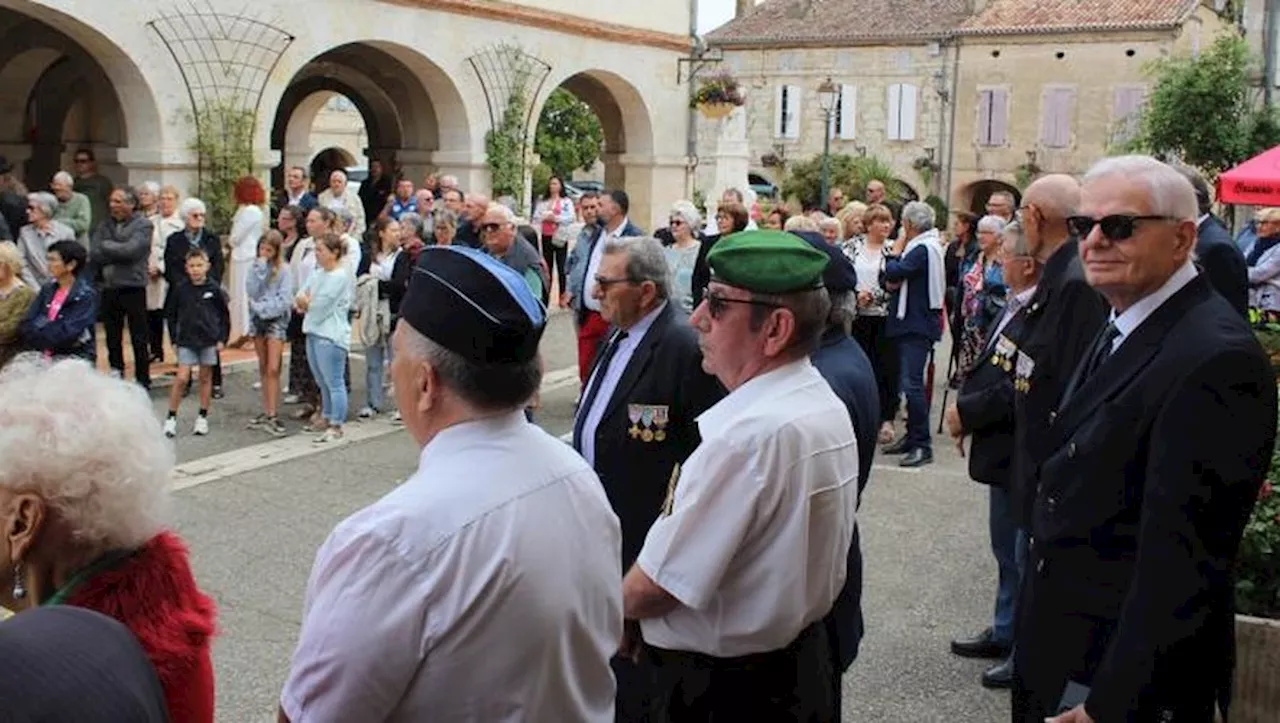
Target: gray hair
x,y
830,222
340,172
920,215
508,216
444,216
737,195
190,206
994,224
1204,199
811,309
47,202
130,195
64,178
411,220
1170,192
1002,194
646,261
844,309
150,187
800,222
687,212
483,387
448,182
109,480
1014,239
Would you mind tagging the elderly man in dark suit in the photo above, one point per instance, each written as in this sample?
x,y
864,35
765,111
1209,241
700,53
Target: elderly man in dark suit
x,y
983,410
1216,253
635,424
1154,460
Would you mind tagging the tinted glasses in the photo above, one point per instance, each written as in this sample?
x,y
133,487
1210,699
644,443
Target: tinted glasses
x,y
717,304
1116,227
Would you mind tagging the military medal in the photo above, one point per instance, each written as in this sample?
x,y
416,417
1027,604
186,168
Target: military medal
x,y
1026,365
660,421
659,435
646,419
633,414
647,435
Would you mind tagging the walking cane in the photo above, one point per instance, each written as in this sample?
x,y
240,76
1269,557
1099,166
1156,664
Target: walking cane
x,y
946,390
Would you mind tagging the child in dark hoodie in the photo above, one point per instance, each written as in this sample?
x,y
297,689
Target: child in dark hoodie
x,y
201,323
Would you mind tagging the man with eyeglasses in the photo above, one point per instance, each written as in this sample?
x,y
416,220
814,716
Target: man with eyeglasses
x,y
735,577
636,423
92,184
1150,468
611,223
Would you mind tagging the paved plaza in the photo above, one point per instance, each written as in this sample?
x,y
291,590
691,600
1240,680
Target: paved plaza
x,y
255,509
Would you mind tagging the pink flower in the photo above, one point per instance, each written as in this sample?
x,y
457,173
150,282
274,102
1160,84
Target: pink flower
x,y
1266,490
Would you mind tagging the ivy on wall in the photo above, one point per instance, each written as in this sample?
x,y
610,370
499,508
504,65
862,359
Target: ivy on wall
x,y
223,145
505,147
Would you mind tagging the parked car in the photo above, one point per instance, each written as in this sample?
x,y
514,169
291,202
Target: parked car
x,y
575,189
762,186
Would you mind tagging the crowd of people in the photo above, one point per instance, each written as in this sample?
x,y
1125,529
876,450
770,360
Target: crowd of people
x,y
693,553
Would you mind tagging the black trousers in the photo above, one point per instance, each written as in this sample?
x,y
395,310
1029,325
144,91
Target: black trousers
x,y
868,331
119,306
155,337
792,684
556,257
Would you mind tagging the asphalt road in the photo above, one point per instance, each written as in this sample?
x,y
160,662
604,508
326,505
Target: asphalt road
x,y
254,510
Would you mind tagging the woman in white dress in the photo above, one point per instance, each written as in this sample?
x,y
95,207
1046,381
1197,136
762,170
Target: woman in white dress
x,y
247,227
164,223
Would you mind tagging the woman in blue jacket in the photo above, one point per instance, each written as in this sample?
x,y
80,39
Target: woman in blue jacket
x,y
61,319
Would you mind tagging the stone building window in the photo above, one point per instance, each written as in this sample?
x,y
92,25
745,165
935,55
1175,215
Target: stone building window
x,y
786,118
1126,111
902,104
1057,109
993,117
844,121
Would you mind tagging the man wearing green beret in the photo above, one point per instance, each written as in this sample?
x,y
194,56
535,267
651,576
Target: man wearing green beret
x,y
735,577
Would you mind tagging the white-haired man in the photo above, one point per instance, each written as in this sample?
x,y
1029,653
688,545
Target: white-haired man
x,y
1153,462
74,208
338,199
497,226
1001,204
736,576
485,587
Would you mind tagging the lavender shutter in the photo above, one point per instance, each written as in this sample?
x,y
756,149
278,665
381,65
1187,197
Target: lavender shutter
x,y
984,118
999,117
1047,118
1064,109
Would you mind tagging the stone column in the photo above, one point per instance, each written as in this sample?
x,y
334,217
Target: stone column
x,y
653,183
472,171
731,161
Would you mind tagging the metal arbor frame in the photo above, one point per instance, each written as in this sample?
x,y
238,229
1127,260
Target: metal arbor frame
x,y
505,69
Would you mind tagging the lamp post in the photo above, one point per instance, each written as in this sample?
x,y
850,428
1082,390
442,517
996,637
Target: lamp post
x,y
828,96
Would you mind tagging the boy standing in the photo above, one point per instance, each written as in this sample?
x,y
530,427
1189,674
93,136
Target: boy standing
x,y
201,323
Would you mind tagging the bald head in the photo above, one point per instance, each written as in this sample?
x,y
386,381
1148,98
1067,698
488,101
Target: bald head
x,y
1056,196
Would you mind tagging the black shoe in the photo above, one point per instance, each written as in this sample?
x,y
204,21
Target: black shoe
x,y
999,677
899,447
217,392
982,645
917,457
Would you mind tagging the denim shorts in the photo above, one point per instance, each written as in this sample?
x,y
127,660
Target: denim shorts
x,y
277,328
206,357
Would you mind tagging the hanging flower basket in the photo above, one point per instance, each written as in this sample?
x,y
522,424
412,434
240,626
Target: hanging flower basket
x,y
717,96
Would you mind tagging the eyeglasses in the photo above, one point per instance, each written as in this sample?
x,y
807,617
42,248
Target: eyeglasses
x,y
1116,227
605,282
675,222
717,304
490,227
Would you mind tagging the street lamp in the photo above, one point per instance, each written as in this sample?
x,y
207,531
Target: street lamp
x,y
828,96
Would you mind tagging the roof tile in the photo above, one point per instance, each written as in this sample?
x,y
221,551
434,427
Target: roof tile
x,y
840,21
1008,17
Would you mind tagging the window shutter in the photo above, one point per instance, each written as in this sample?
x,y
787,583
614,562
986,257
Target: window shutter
x,y
1047,117
894,122
1124,115
1066,111
908,114
780,112
984,118
848,112
999,117
793,112
1058,104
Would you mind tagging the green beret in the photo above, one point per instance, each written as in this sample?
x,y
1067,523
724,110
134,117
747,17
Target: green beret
x,y
767,262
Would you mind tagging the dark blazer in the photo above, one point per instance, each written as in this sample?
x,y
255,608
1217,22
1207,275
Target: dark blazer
x,y
702,272
176,248
664,372
1153,466
1223,264
985,403
1061,321
628,230
71,333
919,320
845,366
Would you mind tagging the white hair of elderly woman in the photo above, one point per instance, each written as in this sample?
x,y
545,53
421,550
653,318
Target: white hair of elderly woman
x,y
89,445
63,178
190,206
920,215
1170,192
829,222
149,187
687,212
800,222
994,224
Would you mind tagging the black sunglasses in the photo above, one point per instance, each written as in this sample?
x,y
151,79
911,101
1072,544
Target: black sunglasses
x,y
1116,227
605,282
717,304
490,227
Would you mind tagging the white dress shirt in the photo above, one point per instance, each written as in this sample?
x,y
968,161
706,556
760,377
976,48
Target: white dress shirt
x,y
1015,304
763,513
484,588
593,263
609,382
1132,318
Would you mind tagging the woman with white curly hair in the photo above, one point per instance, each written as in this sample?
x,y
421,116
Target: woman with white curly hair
x,y
84,490
682,254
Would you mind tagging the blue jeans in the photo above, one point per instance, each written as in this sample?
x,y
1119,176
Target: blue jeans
x,y
1009,546
375,359
328,365
913,352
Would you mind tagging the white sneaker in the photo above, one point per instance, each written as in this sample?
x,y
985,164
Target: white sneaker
x,y
396,419
332,434
257,385
368,413
202,426
291,398
171,427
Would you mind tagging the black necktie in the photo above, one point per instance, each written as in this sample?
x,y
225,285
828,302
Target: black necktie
x,y
1097,355
588,399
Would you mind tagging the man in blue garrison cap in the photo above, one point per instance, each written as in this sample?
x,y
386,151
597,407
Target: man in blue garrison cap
x,y
486,586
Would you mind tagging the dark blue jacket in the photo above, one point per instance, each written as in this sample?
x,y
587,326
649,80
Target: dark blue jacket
x,y
1223,264
71,333
848,370
919,320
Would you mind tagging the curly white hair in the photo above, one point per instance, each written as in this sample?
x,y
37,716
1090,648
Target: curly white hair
x,y
89,445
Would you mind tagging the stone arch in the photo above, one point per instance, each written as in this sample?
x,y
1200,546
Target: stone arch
x,y
908,191
974,196
58,90
411,108
327,161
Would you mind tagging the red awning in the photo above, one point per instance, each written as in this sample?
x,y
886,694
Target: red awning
x,y
1256,182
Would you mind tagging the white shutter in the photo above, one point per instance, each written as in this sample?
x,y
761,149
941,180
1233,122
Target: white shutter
x,y
848,112
780,112
908,113
792,122
894,123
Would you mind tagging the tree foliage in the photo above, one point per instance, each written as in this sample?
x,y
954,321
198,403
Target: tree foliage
x,y
223,145
505,148
569,135
851,174
1201,109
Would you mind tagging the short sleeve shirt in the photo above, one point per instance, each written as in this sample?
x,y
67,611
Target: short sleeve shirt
x,y
485,588
762,516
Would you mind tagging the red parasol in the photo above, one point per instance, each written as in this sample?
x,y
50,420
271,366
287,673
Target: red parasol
x,y
1256,182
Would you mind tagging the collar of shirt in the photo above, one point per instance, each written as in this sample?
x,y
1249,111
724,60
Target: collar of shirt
x,y
450,439
1132,318
617,232
1200,221
1025,295
779,381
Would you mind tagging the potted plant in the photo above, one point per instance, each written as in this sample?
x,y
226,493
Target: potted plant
x,y
718,95
1257,686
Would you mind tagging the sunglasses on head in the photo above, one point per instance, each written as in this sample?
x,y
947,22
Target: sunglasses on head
x,y
717,304
1116,227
